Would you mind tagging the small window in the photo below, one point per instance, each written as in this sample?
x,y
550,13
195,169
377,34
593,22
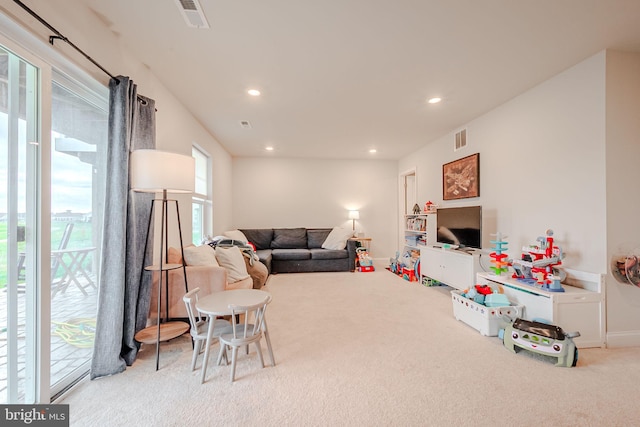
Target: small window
x,y
201,201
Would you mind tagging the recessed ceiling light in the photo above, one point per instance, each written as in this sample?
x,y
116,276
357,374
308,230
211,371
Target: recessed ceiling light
x,y
373,151
434,100
253,92
269,148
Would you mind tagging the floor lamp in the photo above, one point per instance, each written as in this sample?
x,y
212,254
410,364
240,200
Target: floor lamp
x,y
154,171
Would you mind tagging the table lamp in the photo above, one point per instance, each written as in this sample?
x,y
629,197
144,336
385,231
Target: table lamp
x,y
353,215
154,171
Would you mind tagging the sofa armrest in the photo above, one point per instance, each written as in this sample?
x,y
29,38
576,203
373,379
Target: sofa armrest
x,y
209,279
351,250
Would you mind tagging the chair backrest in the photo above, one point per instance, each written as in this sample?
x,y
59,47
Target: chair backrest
x,y
246,329
190,299
64,241
66,235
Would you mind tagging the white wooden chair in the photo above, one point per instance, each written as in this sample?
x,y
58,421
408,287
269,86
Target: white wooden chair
x,y
200,325
244,332
265,331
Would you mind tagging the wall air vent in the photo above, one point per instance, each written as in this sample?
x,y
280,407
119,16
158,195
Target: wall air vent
x,y
192,13
461,140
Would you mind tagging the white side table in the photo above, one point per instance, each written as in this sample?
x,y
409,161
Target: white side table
x,y
365,242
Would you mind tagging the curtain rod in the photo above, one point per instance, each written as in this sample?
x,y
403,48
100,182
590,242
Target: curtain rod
x,y
60,36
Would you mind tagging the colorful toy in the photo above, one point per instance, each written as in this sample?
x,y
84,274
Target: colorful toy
x,y
538,262
499,259
365,262
486,295
409,274
394,264
407,267
541,338
430,207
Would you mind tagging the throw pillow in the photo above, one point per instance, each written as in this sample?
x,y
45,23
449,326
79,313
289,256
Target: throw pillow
x,y
174,256
232,260
337,239
236,235
200,255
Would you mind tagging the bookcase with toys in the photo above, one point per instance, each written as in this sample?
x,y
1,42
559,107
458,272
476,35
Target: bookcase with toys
x,y
419,232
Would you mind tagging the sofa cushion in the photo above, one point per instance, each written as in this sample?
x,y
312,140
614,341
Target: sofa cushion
x,y
328,253
290,254
316,237
289,238
261,237
200,255
264,255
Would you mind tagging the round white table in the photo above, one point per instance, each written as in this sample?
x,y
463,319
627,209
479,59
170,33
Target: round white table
x,y
217,304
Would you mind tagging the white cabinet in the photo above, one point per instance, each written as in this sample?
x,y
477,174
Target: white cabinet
x,y
579,308
457,269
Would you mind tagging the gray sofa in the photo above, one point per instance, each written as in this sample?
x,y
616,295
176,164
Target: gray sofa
x,y
299,250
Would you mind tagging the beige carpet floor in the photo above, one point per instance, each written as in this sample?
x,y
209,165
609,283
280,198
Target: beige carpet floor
x,y
366,349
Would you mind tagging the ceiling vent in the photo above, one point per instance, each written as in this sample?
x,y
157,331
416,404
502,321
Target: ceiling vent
x,y
192,13
461,140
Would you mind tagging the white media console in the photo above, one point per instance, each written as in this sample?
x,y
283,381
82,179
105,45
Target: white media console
x,y
455,268
579,308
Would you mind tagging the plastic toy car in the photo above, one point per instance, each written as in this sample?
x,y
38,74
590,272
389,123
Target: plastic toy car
x,y
542,338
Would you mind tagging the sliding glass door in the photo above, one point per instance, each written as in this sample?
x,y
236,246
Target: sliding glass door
x,y
19,229
53,136
78,147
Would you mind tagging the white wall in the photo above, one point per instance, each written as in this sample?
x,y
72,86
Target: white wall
x,y
623,173
541,166
176,129
562,156
272,193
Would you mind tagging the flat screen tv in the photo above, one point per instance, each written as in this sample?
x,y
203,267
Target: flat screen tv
x,y
460,226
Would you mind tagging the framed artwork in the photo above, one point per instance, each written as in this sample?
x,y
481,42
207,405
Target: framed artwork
x,y
461,178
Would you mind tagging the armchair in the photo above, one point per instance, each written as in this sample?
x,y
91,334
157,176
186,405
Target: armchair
x,y
209,278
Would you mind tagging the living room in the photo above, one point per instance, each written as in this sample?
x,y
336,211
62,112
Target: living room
x,y
558,155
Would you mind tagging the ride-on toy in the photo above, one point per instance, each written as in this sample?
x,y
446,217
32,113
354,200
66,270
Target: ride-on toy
x,y
542,338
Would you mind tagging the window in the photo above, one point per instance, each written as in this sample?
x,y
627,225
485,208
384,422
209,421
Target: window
x,y
201,203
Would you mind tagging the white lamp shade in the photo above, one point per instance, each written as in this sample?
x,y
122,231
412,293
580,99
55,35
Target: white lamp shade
x,y
354,214
154,171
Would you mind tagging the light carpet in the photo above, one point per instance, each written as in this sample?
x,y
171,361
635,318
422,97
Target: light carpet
x,y
365,349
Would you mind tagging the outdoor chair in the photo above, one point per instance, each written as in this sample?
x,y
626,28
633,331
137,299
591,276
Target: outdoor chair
x,y
55,260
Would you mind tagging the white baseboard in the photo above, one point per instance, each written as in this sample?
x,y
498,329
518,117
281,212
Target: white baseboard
x,y
623,339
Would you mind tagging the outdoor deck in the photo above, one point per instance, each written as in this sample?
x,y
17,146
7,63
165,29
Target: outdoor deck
x,y
73,317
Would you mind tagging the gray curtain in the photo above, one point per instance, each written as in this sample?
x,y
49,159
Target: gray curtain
x,y
123,299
